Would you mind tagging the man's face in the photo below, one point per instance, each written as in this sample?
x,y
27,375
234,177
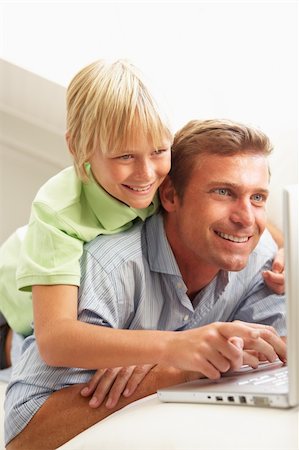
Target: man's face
x,y
221,217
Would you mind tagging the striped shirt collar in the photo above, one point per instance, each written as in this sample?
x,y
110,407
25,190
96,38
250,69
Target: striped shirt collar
x,y
161,258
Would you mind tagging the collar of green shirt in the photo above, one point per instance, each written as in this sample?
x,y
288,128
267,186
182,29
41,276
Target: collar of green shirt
x,y
111,212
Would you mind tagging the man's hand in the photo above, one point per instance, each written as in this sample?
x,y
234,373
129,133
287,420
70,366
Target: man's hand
x,y
114,382
275,278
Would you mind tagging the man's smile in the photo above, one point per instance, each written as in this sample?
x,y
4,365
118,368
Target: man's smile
x,y
232,238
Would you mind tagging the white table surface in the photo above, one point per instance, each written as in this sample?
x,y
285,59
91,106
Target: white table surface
x,y
149,424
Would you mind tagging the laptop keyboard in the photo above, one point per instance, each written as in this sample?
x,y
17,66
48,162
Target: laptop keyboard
x,y
275,379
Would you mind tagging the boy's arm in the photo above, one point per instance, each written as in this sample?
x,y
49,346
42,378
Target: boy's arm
x,y
275,278
65,341
276,234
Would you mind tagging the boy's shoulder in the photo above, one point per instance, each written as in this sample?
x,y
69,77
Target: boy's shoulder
x,y
61,189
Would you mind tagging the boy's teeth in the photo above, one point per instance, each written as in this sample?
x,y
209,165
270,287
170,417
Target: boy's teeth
x,y
139,189
230,237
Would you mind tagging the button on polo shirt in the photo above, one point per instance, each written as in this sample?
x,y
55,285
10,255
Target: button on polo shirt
x,y
65,214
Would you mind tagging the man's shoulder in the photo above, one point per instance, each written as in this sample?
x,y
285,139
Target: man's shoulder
x,y
266,247
262,256
111,251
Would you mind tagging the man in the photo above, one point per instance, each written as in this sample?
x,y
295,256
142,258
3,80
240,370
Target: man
x,y
196,268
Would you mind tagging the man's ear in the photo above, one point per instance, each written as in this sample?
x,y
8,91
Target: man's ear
x,y
168,195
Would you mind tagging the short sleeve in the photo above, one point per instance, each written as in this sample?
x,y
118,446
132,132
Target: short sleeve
x,y
16,306
50,252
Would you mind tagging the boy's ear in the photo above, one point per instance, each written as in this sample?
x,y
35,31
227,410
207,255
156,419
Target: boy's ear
x,y
168,195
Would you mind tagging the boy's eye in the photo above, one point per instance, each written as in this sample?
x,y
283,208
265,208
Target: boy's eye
x,y
125,157
159,151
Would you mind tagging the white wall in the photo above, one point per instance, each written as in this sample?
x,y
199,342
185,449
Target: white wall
x,y
32,147
207,59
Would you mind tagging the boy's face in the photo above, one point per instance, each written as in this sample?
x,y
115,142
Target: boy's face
x,y
134,175
222,215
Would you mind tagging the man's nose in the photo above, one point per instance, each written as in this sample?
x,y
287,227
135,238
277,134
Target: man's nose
x,y
243,213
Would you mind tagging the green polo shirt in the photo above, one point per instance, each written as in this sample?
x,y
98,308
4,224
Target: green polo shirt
x,y
16,306
65,214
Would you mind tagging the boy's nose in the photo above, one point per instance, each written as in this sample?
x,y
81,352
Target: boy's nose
x,y
145,169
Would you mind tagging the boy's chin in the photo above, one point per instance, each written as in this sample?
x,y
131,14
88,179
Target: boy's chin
x,y
138,203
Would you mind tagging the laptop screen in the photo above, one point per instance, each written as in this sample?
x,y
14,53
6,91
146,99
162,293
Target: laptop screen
x,y
290,226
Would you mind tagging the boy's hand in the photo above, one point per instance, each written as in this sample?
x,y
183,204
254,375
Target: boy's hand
x,y
113,383
275,278
209,349
268,347
253,358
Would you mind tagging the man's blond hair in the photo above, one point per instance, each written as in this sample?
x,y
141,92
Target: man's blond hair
x,y
108,107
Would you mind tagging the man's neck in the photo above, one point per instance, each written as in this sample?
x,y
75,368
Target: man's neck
x,y
196,277
196,272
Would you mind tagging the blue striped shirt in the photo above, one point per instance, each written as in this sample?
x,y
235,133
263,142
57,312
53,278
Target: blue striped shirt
x,y
131,280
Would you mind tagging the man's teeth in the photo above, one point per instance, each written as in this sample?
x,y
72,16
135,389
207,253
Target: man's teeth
x,y
232,238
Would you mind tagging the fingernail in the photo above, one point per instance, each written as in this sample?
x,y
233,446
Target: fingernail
x,y
126,392
255,334
93,401
109,403
85,391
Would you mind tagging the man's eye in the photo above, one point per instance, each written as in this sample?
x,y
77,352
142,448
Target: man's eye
x,y
222,191
258,198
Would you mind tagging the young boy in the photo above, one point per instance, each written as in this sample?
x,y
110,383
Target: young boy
x,y
121,150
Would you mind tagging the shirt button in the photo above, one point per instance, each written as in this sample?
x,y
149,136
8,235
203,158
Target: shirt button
x,y
179,285
186,317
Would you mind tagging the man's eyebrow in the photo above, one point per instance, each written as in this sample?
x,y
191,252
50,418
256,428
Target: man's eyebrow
x,y
234,186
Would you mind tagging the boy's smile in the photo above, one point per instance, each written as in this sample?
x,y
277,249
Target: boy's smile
x,y
134,175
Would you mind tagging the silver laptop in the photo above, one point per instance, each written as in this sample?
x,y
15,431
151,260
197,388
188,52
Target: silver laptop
x,y
271,384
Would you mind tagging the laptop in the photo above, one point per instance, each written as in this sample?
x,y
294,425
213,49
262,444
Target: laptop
x,y
271,384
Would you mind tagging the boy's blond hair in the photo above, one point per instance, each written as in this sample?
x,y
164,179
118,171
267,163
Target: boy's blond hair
x,y
108,107
218,137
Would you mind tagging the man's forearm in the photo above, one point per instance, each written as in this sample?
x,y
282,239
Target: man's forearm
x,y
66,413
